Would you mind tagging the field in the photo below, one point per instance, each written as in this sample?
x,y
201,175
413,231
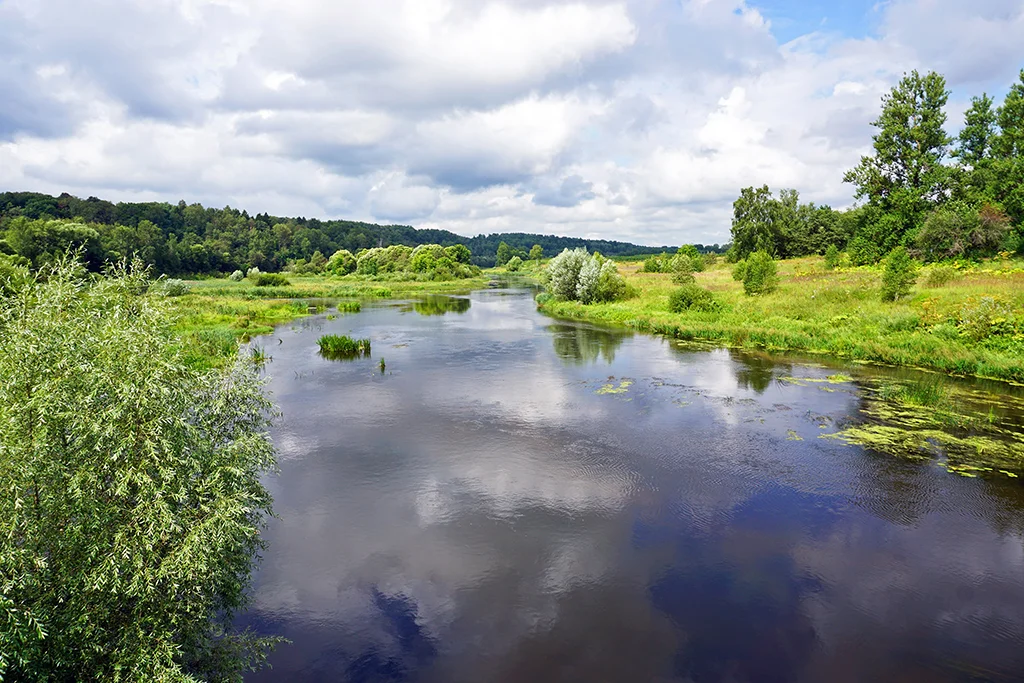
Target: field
x,y
218,313
971,325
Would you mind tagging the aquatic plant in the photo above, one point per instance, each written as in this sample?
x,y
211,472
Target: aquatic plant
x,y
341,346
349,307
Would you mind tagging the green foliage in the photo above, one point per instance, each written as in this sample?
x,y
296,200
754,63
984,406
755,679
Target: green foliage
x,y
899,275
940,276
739,271
133,495
761,276
174,287
832,257
905,177
781,226
692,297
514,264
14,272
575,275
682,267
336,347
503,254
536,252
237,276
271,280
652,264
958,230
459,253
349,307
342,262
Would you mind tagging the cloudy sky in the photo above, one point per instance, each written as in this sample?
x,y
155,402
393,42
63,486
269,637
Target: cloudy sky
x,y
637,120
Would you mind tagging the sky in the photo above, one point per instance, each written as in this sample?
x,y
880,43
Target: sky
x,y
637,120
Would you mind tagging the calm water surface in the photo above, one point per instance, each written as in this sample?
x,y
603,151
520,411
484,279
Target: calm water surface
x,y
521,499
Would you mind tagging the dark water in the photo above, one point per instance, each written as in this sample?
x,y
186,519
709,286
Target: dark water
x,y
520,499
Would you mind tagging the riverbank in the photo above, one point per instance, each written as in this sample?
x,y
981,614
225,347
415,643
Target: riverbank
x,y
217,314
972,325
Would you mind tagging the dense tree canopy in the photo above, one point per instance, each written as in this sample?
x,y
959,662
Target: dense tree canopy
x,y
920,189
189,238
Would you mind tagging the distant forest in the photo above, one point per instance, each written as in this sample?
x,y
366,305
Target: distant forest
x,y
191,239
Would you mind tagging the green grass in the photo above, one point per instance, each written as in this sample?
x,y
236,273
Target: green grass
x,y
972,325
217,314
340,346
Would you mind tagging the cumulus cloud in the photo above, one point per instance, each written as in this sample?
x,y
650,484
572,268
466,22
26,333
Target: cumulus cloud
x,y
622,119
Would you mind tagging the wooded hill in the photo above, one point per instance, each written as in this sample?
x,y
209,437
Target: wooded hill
x,y
190,238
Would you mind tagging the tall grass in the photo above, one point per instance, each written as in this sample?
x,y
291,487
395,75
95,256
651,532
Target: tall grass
x,y
336,346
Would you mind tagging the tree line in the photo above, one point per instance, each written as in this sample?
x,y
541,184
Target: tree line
x,y
937,196
192,239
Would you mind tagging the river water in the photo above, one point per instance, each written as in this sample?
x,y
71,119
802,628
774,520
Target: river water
x,y
522,499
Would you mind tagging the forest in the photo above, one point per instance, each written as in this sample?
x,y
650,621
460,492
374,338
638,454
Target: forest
x,y
939,197
178,239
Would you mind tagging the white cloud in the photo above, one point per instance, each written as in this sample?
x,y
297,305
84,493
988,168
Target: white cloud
x,y
636,120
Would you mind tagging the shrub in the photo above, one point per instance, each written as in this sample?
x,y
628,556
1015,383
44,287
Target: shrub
x,y
899,275
832,257
958,229
690,252
459,253
863,251
253,273
133,492
563,272
14,273
682,269
514,264
175,287
342,262
652,265
692,298
939,276
761,276
340,346
575,275
271,280
739,271
237,276
610,285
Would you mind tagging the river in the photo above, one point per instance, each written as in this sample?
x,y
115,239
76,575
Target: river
x,y
522,499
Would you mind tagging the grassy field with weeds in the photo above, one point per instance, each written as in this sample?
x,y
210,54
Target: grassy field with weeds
x,y
216,314
962,320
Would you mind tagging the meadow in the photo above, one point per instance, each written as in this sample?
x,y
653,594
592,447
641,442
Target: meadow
x,y
960,319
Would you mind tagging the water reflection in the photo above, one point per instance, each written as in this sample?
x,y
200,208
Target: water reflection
x,y
439,304
582,344
487,513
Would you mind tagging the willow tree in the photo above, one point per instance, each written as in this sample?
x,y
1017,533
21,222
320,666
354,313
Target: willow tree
x,y
131,502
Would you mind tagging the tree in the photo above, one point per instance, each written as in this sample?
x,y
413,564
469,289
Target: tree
x,y
974,144
536,252
132,496
503,255
906,177
514,264
899,275
761,274
1008,155
753,223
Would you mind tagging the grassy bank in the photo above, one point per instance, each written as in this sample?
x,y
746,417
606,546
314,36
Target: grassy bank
x,y
218,313
971,325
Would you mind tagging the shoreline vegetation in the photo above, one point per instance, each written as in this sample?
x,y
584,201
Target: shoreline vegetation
x,y
970,325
